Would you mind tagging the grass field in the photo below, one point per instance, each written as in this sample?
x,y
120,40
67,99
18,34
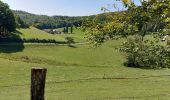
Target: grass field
x,y
79,73
32,32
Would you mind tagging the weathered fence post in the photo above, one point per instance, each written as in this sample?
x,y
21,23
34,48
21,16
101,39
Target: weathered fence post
x,y
38,76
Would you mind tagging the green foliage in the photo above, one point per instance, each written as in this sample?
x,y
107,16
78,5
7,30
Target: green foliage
x,y
7,19
48,22
71,29
104,27
20,23
69,40
152,17
64,30
146,53
149,17
67,28
36,40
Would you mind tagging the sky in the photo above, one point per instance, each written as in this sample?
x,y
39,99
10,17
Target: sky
x,y
63,7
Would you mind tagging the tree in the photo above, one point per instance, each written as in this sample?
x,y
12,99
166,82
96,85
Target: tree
x,y
64,29
69,40
20,23
151,18
7,20
71,29
67,28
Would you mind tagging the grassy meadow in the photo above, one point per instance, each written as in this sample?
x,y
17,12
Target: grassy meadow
x,y
32,33
77,73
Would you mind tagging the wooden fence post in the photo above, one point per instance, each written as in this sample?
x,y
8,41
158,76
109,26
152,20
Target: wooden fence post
x,y
38,76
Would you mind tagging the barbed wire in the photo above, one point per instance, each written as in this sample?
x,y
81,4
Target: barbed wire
x,y
89,79
148,97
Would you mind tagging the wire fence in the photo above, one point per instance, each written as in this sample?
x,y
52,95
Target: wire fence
x,y
163,96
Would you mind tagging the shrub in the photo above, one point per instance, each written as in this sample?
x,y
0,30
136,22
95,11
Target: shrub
x,y
32,40
69,40
146,53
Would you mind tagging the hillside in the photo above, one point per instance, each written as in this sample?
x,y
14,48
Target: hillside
x,y
52,22
34,33
79,73
46,22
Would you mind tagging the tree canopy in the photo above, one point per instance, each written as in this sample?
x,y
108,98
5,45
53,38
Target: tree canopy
x,y
151,18
7,19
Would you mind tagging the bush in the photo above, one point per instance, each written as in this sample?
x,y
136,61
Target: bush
x,y
146,54
69,40
32,40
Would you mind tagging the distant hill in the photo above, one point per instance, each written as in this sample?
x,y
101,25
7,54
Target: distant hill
x,y
48,22
52,22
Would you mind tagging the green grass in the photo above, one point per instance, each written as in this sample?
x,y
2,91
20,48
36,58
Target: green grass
x,y
33,32
80,73
79,55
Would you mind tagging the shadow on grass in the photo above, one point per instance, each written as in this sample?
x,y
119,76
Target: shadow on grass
x,y
11,47
71,46
11,44
126,64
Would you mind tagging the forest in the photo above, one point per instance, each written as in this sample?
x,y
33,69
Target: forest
x,y
49,22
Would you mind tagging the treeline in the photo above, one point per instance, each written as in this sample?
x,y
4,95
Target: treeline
x,y
52,22
20,23
49,22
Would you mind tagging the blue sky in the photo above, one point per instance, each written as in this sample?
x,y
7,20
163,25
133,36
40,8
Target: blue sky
x,y
61,7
